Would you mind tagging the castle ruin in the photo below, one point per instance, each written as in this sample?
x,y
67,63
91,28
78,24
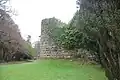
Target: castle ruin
x,y
47,46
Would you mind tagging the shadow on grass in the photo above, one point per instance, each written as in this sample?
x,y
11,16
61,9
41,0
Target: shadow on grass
x,y
16,62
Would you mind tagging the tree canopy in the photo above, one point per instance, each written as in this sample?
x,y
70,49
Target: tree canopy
x,y
95,27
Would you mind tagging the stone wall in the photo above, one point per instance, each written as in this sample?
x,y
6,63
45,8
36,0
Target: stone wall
x,y
47,46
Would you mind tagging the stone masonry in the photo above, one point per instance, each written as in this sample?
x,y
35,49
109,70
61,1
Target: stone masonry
x,y
47,45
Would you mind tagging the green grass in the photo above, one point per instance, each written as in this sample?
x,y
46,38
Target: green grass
x,y
51,70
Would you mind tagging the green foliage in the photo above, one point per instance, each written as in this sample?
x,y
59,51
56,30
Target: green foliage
x,y
29,48
95,27
70,38
99,20
55,30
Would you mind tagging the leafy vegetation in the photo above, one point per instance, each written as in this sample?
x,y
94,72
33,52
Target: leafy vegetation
x,y
11,42
95,27
29,48
100,23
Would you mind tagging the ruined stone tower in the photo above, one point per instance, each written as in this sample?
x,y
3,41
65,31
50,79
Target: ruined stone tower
x,y
47,46
46,43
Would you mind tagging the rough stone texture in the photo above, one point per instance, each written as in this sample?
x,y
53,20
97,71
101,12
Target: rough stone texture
x,y
47,45
49,49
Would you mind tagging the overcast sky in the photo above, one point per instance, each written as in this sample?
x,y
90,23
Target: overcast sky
x,y
31,12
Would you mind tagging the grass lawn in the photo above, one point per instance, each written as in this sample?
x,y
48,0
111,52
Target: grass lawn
x,y
51,70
